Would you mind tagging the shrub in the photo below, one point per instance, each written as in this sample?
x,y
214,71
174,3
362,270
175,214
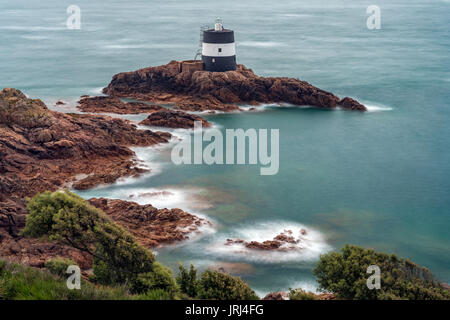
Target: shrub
x,y
19,282
156,294
187,281
160,278
345,274
222,286
300,294
59,265
66,217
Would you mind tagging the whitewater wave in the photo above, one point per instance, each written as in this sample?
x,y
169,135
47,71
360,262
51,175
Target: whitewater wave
x,y
377,108
37,38
34,28
97,91
310,247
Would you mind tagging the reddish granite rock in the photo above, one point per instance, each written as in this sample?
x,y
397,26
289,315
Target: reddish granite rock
x,y
173,119
284,241
115,105
206,104
216,90
43,150
152,227
281,295
351,104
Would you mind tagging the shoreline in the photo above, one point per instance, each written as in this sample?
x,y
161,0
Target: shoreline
x,y
179,118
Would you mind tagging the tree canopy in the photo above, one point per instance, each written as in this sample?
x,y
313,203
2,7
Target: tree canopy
x,y
345,274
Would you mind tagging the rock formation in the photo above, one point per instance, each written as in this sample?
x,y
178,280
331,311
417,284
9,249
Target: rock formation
x,y
115,105
43,150
203,90
173,119
152,227
285,241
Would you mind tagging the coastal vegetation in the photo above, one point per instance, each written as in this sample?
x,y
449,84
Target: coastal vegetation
x,y
124,269
213,285
345,274
118,259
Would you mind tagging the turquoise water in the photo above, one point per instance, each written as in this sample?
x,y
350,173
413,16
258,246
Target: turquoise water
x,y
378,179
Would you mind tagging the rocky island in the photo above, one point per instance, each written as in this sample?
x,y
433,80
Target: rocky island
x,y
198,90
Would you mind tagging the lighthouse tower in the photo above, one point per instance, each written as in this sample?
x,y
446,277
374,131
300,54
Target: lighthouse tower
x,y
218,49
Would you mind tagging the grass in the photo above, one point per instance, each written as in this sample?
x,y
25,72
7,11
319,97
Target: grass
x,y
18,282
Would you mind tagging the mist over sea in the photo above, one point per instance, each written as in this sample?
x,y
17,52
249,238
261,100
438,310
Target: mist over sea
x,y
379,179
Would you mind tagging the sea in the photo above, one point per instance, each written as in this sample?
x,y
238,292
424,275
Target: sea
x,y
378,179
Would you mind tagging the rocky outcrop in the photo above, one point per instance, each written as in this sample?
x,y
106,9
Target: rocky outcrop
x,y
152,227
285,241
351,104
280,295
115,105
43,150
203,90
283,295
173,119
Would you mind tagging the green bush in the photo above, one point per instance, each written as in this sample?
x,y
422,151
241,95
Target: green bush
x,y
59,265
345,274
187,281
69,219
300,294
19,282
160,278
222,286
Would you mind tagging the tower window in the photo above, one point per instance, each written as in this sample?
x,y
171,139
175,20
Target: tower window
x,y
220,49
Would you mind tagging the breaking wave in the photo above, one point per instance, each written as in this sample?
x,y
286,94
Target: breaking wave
x,y
310,247
377,108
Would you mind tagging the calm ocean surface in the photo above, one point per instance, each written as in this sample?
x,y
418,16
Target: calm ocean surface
x,y
379,179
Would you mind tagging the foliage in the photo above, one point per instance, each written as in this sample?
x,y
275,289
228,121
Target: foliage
x,y
187,281
59,265
222,286
160,278
345,274
300,294
156,294
18,282
66,217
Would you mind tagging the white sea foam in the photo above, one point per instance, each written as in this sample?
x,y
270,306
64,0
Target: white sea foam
x,y
377,108
34,28
97,91
310,247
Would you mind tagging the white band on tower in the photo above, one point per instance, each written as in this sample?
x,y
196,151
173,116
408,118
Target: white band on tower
x,y
218,49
